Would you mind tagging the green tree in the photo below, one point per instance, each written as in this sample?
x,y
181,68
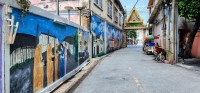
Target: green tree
x,y
131,34
190,9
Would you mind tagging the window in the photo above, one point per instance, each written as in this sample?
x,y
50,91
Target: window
x,y
98,3
109,8
120,19
116,15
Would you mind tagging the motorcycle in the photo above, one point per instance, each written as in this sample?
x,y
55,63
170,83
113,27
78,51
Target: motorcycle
x,y
160,55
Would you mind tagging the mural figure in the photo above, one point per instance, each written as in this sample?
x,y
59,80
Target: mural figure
x,y
86,53
112,40
83,46
61,61
65,56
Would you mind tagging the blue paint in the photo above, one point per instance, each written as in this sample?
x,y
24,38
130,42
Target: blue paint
x,y
97,25
113,33
28,25
86,35
62,63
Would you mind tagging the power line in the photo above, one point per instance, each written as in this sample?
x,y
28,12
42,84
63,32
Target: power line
x,y
136,3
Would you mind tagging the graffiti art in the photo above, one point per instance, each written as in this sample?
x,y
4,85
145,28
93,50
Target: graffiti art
x,y
83,46
45,51
42,53
98,42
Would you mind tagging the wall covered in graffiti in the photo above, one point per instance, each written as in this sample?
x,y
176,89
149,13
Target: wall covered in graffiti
x,y
98,39
43,52
114,38
84,44
1,64
106,37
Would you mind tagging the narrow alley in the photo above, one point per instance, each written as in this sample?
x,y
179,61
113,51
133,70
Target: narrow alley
x,y
130,71
99,46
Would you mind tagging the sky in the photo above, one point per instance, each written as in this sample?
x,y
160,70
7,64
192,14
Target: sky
x,y
141,6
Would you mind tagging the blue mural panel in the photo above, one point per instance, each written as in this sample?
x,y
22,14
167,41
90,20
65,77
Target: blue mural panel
x,y
28,25
97,25
42,53
98,28
83,46
114,38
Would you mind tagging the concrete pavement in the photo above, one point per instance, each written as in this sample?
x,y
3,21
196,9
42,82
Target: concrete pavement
x,y
130,71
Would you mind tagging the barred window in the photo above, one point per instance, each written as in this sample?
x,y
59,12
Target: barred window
x,y
98,3
109,8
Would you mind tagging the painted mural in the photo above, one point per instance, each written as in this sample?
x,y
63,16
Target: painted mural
x,y
114,38
98,40
84,43
43,52
1,64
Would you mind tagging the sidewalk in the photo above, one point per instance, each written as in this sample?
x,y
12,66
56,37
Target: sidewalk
x,y
190,64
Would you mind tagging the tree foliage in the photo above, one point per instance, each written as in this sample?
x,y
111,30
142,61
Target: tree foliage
x,y
189,9
131,34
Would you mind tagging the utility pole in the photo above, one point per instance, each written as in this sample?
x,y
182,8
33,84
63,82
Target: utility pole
x,y
174,29
90,28
57,3
176,32
68,14
164,27
169,26
80,11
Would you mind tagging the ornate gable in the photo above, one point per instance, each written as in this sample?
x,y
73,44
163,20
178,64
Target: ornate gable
x,y
134,17
134,21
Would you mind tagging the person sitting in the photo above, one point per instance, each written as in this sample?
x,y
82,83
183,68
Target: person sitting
x,y
158,49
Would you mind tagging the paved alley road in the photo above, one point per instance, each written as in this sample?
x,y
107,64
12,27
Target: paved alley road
x,y
130,71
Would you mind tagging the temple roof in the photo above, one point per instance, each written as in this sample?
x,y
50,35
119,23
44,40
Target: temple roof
x,y
134,21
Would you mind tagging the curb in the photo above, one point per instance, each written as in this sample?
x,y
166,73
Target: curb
x,y
70,85
191,68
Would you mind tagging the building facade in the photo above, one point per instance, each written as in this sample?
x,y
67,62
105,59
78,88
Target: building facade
x,y
103,17
107,22
163,22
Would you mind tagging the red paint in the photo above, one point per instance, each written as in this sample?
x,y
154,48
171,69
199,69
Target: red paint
x,y
196,46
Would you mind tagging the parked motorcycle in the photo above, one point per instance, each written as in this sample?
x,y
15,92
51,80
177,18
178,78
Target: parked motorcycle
x,y
160,56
